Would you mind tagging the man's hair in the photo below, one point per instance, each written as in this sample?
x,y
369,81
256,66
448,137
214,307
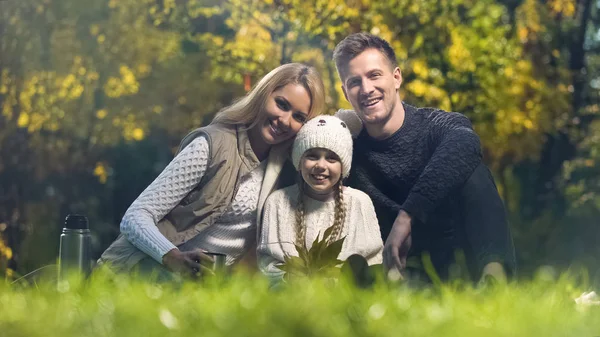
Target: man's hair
x,y
357,43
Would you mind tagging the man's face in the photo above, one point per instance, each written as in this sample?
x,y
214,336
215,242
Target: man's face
x,y
371,85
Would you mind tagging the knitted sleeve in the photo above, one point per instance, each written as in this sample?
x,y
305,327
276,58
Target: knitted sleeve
x,y
456,151
269,251
179,177
372,234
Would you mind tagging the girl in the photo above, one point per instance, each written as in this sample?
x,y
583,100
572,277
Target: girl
x,y
322,154
208,198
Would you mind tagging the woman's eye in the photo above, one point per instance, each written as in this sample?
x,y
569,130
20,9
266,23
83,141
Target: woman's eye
x,y
282,104
300,117
332,160
310,157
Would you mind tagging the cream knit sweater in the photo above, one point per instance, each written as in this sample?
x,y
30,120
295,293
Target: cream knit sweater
x,y
233,234
278,234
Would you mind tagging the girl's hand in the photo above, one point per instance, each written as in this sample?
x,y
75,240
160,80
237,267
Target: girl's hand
x,y
193,263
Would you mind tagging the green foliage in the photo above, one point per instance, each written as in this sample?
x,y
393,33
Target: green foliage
x,y
320,260
82,80
243,305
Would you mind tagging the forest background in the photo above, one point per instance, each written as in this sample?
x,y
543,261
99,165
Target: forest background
x,y
95,96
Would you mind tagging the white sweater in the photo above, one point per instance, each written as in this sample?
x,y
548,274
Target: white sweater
x,y
278,234
232,234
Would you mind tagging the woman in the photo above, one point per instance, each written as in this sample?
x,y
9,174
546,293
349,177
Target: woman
x,y
208,199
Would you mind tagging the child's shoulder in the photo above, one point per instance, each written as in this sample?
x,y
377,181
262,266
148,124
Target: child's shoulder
x,y
289,193
357,195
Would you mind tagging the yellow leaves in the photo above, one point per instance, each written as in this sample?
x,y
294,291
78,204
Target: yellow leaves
x,y
137,134
92,76
132,132
8,253
94,29
101,172
101,114
101,38
420,68
417,87
556,53
143,69
431,93
125,85
127,75
458,55
23,120
563,7
5,251
509,72
529,20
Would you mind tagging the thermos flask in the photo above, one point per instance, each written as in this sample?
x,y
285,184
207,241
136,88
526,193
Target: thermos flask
x,y
75,247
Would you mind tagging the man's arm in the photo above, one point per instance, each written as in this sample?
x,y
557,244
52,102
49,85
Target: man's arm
x,y
456,153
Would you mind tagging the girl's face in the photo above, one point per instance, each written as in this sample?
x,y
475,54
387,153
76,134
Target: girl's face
x,y
321,170
285,112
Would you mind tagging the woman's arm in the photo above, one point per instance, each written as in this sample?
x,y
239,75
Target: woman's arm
x,y
182,175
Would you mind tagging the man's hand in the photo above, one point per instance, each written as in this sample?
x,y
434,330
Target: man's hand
x,y
192,264
397,245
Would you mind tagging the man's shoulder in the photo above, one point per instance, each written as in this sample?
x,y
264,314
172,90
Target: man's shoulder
x,y
438,117
435,114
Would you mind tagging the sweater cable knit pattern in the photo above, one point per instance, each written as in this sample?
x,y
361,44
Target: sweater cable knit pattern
x,y
416,168
231,234
278,235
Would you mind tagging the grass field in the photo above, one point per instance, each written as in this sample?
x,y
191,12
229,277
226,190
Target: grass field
x,y
244,305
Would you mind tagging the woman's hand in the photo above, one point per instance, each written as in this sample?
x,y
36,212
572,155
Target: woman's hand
x,y
192,264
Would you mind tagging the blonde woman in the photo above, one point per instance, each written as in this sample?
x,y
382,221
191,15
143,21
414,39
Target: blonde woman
x,y
208,199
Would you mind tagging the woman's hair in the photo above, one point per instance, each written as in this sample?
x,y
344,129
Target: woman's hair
x,y
247,109
339,215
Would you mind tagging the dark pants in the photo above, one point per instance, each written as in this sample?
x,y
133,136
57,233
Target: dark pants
x,y
469,230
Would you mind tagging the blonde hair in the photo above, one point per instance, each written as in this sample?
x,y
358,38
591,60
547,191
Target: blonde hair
x,y
247,109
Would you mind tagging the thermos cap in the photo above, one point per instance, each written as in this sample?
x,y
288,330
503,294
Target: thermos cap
x,y
76,221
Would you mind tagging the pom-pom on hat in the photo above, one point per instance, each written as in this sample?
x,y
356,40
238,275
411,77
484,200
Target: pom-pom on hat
x,y
354,123
326,132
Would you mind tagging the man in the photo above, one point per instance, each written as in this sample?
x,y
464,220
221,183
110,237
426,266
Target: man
x,y
422,168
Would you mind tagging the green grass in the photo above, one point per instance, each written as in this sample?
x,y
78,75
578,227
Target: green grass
x,y
245,306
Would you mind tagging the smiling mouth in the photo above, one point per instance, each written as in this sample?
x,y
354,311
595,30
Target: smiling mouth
x,y
367,103
276,131
319,177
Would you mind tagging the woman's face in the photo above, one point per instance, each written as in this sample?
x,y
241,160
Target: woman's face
x,y
285,113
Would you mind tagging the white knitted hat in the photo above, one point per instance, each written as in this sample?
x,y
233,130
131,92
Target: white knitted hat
x,y
326,132
352,120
